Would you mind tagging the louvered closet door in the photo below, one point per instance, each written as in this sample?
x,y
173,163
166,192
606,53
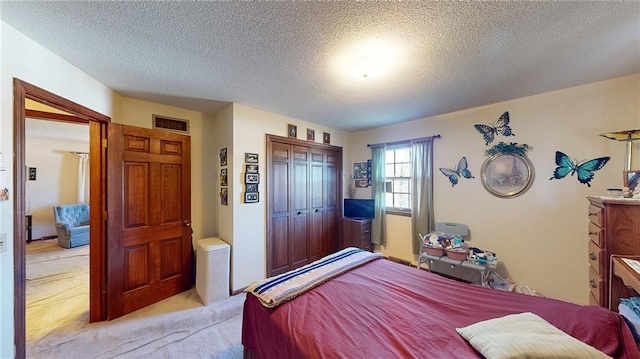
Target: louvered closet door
x,y
299,235
332,200
317,243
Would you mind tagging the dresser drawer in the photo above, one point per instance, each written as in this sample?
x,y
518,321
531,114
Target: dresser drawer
x,y
596,234
595,253
596,285
595,215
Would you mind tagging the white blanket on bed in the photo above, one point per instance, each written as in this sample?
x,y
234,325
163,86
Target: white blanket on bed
x,y
276,290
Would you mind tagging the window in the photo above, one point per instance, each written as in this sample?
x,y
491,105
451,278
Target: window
x,y
398,179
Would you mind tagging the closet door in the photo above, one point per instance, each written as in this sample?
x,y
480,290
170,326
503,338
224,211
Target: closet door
x,y
299,216
278,209
317,237
304,202
332,201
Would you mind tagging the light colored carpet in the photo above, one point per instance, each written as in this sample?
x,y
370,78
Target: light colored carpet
x,y
177,327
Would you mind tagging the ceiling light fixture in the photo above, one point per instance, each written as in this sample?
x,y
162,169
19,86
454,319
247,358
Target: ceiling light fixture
x,y
370,59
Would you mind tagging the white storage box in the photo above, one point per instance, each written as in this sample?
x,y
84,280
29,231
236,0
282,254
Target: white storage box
x,y
212,270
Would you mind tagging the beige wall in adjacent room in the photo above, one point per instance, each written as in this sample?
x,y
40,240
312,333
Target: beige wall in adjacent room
x,y
56,179
541,236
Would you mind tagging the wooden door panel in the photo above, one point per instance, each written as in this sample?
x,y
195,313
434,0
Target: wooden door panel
x,y
331,183
330,231
280,192
316,234
298,239
170,193
136,194
170,254
299,187
317,186
150,252
136,267
279,250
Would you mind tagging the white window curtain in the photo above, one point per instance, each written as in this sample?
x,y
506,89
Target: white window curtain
x,y
83,178
422,218
378,156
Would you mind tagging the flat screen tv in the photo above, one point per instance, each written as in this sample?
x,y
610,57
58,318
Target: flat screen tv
x,y
359,208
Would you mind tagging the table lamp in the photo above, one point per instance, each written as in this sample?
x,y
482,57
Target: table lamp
x,y
626,135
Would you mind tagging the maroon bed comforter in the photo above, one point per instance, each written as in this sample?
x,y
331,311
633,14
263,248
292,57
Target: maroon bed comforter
x,y
387,310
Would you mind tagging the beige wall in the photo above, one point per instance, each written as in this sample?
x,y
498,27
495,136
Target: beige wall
x,y
223,138
540,237
56,179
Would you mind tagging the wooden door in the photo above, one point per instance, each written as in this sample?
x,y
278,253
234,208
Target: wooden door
x,y
332,201
278,209
149,251
299,189
317,245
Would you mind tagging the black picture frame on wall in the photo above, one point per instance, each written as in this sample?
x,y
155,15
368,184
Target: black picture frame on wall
x,y
250,157
251,168
251,178
251,197
223,157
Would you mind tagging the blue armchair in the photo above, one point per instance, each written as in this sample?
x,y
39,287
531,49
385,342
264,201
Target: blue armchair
x,y
72,224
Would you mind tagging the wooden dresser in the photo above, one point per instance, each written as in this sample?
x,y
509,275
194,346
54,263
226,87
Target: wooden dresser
x,y
614,228
356,233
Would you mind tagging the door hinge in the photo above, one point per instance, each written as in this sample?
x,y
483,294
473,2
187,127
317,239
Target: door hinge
x,y
104,143
104,215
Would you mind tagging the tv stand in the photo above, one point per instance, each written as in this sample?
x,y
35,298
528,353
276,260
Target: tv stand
x,y
356,232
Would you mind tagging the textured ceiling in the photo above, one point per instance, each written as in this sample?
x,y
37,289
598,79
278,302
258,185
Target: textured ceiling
x,y
284,57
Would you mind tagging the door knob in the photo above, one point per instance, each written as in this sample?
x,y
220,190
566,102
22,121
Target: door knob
x,y
186,223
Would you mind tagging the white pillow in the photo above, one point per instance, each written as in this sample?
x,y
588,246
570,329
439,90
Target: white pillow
x,y
525,335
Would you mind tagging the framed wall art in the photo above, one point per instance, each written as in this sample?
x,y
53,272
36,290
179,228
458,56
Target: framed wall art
x,y
224,196
326,138
251,197
311,134
223,157
223,177
251,178
251,168
250,157
252,187
292,131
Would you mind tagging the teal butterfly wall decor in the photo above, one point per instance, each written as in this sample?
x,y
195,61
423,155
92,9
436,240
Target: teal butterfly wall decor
x,y
500,127
460,171
585,170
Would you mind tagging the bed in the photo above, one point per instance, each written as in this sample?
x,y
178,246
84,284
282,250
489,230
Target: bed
x,y
383,309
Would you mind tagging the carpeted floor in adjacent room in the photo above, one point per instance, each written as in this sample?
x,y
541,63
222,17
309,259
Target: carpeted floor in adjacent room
x,y
58,316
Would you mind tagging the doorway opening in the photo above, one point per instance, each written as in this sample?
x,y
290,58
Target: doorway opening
x,y
24,91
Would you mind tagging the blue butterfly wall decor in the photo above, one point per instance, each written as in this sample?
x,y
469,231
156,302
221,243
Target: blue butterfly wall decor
x,y
500,127
460,171
585,170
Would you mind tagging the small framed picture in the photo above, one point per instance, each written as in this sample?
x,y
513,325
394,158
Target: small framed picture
x,y
250,157
292,130
223,177
223,157
251,168
326,138
251,178
311,134
251,197
252,187
224,196
32,173
631,179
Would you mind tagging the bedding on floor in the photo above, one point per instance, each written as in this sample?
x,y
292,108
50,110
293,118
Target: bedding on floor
x,y
385,310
